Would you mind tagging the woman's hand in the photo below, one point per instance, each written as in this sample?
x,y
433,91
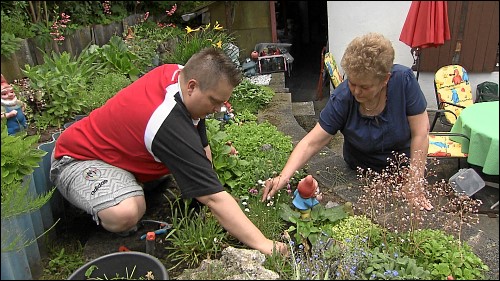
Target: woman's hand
x,y
272,186
416,197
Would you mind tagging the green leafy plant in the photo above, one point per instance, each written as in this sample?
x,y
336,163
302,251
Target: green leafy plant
x,y
308,231
10,44
197,39
19,159
357,227
63,261
14,20
63,79
384,266
102,89
116,56
443,255
229,168
148,40
250,96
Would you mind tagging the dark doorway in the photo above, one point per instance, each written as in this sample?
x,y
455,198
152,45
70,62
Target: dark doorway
x,y
305,25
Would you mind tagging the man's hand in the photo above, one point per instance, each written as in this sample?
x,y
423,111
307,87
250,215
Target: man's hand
x,y
233,149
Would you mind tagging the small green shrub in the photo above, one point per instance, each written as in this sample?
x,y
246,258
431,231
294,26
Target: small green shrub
x,y
147,40
385,266
10,44
230,169
358,228
443,255
102,89
63,80
250,96
63,261
15,21
116,56
19,159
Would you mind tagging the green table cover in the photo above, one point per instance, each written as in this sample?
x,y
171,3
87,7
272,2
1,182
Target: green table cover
x,y
480,123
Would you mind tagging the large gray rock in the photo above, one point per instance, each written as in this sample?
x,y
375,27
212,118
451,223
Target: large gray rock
x,y
235,264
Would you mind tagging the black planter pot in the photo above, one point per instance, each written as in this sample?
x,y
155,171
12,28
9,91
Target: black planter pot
x,y
120,264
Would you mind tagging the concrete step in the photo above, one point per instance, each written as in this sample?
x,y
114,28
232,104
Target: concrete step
x,y
303,108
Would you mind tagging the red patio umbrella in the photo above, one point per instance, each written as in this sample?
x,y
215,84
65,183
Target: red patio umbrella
x,y
426,25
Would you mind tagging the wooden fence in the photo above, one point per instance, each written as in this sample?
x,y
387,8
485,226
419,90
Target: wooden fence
x,y
30,53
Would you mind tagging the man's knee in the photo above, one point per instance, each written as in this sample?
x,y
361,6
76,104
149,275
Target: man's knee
x,y
123,216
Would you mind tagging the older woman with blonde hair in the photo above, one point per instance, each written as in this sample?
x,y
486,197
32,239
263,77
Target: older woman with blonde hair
x,y
379,109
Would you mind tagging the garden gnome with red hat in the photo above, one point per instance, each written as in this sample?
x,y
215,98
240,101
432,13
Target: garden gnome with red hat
x,y
306,196
12,109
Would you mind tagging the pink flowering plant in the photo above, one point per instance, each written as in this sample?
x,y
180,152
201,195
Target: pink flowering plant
x,y
59,26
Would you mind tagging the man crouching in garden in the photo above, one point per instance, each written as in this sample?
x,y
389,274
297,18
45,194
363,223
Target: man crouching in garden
x,y
152,128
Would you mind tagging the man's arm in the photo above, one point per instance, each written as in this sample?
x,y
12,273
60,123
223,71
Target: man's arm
x,y
231,217
208,152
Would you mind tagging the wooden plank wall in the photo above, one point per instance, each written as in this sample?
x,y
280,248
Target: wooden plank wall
x,y
479,44
30,53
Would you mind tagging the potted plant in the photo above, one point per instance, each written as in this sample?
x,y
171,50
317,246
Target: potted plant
x,y
122,265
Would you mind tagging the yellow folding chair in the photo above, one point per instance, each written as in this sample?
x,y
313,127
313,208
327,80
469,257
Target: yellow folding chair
x,y
440,144
453,93
328,62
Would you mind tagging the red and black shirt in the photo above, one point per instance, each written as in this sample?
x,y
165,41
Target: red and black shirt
x,y
146,129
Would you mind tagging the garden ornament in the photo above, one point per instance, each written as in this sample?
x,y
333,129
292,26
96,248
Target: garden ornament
x,y
12,109
228,111
306,196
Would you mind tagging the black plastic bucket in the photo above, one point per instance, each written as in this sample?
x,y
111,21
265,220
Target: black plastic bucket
x,y
122,264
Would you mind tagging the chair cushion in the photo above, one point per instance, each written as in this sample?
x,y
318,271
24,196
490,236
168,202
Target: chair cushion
x,y
333,70
442,146
453,87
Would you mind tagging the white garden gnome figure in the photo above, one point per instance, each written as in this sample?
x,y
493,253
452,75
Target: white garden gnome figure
x,y
12,109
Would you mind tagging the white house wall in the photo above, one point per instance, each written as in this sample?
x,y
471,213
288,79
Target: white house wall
x,y
349,19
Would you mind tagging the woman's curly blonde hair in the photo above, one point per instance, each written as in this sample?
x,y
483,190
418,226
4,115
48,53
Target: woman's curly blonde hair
x,y
369,55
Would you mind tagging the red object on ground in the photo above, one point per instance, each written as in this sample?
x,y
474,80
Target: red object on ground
x,y
123,249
